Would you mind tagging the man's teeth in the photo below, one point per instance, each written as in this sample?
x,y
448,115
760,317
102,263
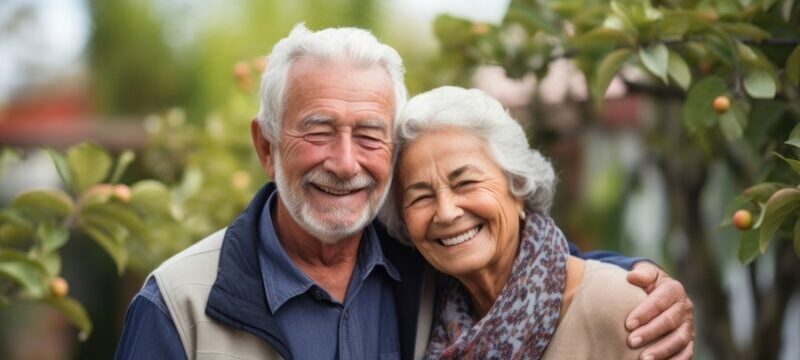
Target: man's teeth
x,y
333,191
461,238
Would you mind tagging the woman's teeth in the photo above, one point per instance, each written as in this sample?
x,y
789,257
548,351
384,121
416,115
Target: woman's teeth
x,y
455,240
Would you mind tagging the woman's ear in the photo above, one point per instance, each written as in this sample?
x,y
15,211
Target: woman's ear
x,y
263,148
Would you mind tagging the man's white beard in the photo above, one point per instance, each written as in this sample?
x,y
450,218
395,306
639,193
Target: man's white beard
x,y
325,231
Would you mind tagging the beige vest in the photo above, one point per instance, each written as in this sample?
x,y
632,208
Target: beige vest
x,y
185,280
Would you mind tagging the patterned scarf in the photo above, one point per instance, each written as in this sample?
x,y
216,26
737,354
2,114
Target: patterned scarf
x,y
524,317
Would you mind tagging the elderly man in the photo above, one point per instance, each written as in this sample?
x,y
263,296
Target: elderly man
x,y
304,272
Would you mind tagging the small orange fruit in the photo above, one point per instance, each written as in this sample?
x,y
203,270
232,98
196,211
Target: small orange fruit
x,y
59,287
721,104
743,220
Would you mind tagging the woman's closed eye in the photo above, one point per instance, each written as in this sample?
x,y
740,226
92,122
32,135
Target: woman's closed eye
x,y
417,199
465,184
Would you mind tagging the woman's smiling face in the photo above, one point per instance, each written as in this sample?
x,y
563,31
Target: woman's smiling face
x,y
456,204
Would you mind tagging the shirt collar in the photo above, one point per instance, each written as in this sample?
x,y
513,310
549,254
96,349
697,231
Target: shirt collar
x,y
281,277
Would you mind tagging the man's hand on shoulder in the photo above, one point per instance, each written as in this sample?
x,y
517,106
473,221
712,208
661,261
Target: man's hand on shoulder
x,y
664,322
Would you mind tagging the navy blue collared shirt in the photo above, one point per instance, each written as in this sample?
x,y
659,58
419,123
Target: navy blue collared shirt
x,y
315,325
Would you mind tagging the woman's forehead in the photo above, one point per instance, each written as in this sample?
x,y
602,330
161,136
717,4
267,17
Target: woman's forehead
x,y
445,153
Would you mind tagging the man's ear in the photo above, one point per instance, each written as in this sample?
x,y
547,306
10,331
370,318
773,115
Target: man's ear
x,y
263,148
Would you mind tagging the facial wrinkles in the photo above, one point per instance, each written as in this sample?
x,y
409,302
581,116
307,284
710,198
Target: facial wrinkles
x,y
326,105
325,231
443,185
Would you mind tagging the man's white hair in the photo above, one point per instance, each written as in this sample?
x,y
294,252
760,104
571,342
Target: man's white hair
x,y
530,176
333,44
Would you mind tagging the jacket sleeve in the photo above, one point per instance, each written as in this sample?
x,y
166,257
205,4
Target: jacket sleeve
x,y
606,257
148,332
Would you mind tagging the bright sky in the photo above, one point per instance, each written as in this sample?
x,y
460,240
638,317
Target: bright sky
x,y
41,43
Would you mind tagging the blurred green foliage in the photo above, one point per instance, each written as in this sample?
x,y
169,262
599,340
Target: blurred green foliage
x,y
202,175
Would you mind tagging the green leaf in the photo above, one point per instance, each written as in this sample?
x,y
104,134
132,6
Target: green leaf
x,y
51,262
118,232
679,71
745,30
698,110
7,157
52,237
721,46
746,53
115,249
89,164
12,234
794,142
760,84
761,214
748,247
797,237
151,197
120,214
793,66
794,164
14,217
733,122
29,274
603,36
795,133
783,203
63,169
123,161
760,193
656,59
605,73
44,204
674,26
75,313
452,32
530,17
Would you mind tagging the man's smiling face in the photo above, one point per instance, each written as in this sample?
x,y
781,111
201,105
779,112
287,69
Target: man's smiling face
x,y
333,164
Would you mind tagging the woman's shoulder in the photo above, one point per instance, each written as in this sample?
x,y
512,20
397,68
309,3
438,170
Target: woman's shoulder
x,y
606,294
605,282
594,323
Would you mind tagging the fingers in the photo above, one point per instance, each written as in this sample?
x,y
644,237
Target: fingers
x,y
644,275
669,322
686,354
677,345
667,292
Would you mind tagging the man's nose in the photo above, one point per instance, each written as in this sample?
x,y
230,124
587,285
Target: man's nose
x,y
447,209
343,160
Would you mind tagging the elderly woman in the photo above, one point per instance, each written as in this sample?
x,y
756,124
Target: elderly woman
x,y
473,199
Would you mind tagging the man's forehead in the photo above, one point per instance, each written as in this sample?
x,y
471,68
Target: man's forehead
x,y
305,67
322,119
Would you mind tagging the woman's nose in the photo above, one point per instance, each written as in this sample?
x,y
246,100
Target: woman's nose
x,y
447,210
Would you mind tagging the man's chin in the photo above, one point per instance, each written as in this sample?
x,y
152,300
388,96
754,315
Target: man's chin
x,y
332,228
